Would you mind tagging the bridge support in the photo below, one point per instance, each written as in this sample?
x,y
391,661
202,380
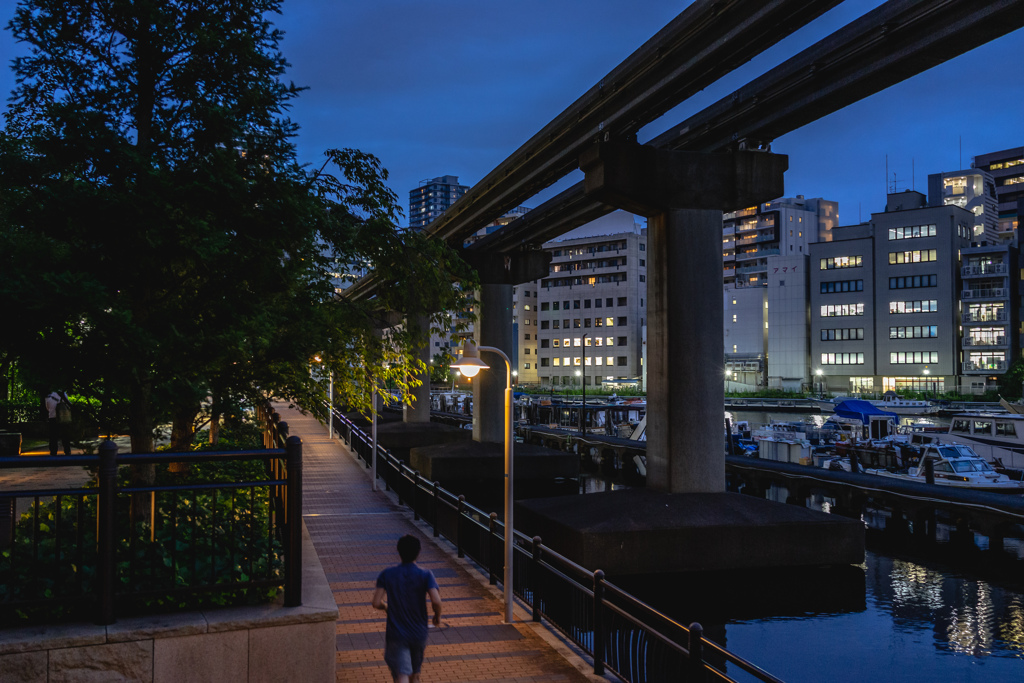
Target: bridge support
x,y
419,411
493,328
685,447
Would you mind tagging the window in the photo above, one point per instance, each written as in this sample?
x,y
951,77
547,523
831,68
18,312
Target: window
x,y
556,343
544,324
526,366
911,232
526,321
837,286
586,323
927,306
597,303
526,351
622,341
918,256
841,262
598,340
586,303
842,359
544,305
526,337
554,306
622,360
555,324
608,302
566,342
643,278
622,301
598,322
576,323
643,247
526,307
842,310
544,343
565,305
557,361
913,281
544,362
609,322
609,341
609,360
575,342
575,360
913,357
622,321
915,332
843,334
734,317
599,361
565,324
576,304
643,263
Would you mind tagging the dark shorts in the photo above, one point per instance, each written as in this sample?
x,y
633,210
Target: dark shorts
x,y
403,658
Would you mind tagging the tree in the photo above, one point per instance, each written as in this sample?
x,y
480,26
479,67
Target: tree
x,y
159,240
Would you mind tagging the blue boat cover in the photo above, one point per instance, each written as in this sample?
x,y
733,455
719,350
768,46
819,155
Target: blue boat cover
x,y
861,410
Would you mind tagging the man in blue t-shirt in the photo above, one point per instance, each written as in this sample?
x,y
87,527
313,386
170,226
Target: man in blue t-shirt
x,y
407,588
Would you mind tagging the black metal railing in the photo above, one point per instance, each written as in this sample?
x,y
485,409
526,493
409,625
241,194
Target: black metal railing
x,y
623,635
120,545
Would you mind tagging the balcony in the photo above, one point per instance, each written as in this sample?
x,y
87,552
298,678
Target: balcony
x,y
992,342
986,269
746,270
985,366
994,293
987,317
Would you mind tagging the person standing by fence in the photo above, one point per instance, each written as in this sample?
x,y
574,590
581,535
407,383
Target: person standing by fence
x,y
407,588
58,414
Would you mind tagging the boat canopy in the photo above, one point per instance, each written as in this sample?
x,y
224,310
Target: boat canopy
x,y
857,409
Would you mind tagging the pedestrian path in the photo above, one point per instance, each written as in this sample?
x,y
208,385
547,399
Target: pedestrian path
x,y
355,531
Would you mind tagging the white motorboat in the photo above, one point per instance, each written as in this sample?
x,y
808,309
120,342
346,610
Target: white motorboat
x,y
956,466
890,401
997,437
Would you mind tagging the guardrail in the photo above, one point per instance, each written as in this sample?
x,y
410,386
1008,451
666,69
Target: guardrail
x,y
623,635
100,549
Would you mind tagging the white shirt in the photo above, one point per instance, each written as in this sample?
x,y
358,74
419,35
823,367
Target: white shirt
x,y
52,401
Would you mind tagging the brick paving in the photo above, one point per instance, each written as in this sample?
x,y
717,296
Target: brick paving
x,y
355,530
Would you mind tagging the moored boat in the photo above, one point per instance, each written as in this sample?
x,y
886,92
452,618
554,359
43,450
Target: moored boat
x,y
953,465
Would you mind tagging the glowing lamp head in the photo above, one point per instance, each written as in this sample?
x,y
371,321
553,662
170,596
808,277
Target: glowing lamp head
x,y
469,364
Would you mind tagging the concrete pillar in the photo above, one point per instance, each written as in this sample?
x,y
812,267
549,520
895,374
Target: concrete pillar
x,y
493,328
419,411
685,444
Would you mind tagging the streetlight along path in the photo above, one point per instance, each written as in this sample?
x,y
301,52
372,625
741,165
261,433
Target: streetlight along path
x,y
354,531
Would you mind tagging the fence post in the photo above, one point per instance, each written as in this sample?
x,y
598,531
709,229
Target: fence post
x,y
458,526
437,486
415,494
105,505
696,654
293,557
598,623
492,530
535,573
398,482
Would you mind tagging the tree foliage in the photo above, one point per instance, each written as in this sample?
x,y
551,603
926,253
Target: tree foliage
x,y
160,242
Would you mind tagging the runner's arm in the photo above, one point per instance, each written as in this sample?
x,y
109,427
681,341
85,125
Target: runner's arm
x,y
435,602
378,599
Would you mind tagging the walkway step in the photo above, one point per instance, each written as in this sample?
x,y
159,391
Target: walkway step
x,y
354,531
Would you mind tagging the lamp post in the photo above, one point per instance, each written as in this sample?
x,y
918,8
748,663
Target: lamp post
x,y
583,384
821,382
469,365
579,374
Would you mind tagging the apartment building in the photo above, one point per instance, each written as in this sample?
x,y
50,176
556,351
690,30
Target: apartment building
x,y
432,198
974,190
1007,171
590,311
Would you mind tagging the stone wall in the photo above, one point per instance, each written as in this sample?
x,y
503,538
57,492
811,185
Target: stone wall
x,y
238,644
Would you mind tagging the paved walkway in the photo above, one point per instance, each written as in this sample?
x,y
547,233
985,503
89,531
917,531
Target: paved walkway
x,y
355,530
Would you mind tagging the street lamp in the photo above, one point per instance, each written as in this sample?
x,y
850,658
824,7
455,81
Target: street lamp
x,y
583,409
470,364
821,382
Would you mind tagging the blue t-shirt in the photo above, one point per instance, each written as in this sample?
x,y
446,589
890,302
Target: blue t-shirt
x,y
407,586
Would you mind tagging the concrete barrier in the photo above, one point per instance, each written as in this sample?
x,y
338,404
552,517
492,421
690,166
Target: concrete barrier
x,y
252,644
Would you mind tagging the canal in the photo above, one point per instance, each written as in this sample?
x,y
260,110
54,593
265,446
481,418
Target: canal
x,y
898,617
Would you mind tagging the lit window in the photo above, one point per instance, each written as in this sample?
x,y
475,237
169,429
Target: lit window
x,y
734,317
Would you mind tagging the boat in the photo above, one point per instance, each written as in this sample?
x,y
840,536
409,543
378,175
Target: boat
x,y
890,401
997,437
954,465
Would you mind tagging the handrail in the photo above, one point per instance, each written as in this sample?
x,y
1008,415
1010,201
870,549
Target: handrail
x,y
579,579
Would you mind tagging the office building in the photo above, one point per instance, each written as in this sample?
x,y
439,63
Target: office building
x,y
885,309
432,198
973,190
765,274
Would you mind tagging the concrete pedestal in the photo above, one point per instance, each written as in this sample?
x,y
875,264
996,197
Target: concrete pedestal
x,y
639,531
465,462
401,437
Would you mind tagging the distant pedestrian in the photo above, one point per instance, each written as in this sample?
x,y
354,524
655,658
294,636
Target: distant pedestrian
x,y
58,420
407,588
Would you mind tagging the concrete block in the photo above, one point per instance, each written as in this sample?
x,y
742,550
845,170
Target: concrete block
x,y
156,626
48,637
639,532
25,667
295,653
400,437
471,461
208,658
103,663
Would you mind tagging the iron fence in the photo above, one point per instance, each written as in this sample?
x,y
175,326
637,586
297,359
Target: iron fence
x,y
118,544
622,634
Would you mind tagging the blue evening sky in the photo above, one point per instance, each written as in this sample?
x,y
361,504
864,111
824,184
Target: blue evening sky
x,y
453,88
